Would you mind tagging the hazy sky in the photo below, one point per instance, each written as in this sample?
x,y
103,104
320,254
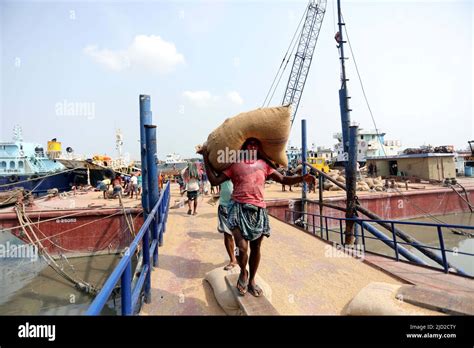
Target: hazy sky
x,y
202,62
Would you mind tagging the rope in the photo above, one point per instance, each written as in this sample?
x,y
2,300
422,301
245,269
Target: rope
x,y
79,284
12,195
130,226
38,178
85,224
55,218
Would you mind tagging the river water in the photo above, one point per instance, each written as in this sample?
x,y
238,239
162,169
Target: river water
x,y
429,236
34,288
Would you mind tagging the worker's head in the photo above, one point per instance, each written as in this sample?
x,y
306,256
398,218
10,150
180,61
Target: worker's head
x,y
251,144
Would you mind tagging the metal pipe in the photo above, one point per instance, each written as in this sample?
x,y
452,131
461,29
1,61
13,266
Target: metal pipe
x,y
150,136
329,205
351,181
154,194
414,243
343,98
401,250
145,118
126,289
303,160
443,250
321,187
320,172
303,157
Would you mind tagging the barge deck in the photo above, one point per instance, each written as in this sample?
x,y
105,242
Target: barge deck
x,y
303,279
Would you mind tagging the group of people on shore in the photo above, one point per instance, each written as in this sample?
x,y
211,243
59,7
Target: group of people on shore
x,y
122,186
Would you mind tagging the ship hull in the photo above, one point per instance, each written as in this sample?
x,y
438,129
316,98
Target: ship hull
x,y
81,177
38,186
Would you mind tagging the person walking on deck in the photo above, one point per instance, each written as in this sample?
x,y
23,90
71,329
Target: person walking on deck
x,y
139,183
248,217
222,224
192,178
134,186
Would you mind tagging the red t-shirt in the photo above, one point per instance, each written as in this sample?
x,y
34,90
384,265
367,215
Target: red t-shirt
x,y
248,179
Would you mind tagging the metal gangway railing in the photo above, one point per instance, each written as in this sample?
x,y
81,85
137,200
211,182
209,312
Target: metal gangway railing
x,y
150,237
324,225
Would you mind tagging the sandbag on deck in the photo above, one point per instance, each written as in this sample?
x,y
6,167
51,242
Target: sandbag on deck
x,y
269,125
379,298
224,294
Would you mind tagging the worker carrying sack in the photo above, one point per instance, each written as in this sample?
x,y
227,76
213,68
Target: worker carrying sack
x,y
271,126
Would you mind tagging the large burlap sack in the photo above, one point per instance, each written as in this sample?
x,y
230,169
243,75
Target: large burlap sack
x,y
327,185
269,125
379,298
335,188
369,182
223,292
341,179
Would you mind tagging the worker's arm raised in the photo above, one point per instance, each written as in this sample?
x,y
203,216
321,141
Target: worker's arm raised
x,y
291,180
214,179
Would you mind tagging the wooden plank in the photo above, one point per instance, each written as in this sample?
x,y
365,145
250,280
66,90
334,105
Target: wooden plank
x,y
250,304
424,276
419,295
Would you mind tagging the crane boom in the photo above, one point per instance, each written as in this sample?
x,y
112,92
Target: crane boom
x,y
304,54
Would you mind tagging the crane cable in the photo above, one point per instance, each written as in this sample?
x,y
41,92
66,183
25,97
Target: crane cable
x,y
80,284
378,134
286,58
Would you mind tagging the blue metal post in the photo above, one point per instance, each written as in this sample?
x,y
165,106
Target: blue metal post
x,y
303,155
320,190
145,118
343,95
126,289
443,250
303,161
351,181
161,214
395,241
345,119
152,162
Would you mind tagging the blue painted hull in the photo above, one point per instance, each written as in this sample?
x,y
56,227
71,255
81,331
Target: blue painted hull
x,y
39,187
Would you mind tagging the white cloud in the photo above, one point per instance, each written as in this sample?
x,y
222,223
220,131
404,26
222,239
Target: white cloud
x,y
235,97
200,98
113,60
147,52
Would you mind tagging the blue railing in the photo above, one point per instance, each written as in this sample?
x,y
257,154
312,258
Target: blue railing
x,y
123,271
366,224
